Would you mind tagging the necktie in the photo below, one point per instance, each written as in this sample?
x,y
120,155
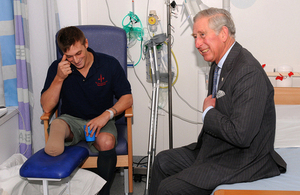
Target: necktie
x,y
214,90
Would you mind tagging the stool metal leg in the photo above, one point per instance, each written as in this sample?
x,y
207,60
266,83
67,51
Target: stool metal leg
x,y
45,183
68,188
45,187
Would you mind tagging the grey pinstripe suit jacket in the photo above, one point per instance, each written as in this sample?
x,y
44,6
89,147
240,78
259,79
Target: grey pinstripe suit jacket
x,y
237,139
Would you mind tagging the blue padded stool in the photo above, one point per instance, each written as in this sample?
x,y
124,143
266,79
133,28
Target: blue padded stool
x,y
44,167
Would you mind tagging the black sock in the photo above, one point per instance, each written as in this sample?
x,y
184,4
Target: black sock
x,y
106,165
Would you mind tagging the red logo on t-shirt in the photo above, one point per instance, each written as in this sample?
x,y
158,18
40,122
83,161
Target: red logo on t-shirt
x,y
101,81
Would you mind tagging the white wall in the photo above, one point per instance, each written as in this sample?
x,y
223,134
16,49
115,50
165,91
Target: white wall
x,y
268,29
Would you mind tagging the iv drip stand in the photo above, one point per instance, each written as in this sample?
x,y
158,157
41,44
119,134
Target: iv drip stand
x,y
169,76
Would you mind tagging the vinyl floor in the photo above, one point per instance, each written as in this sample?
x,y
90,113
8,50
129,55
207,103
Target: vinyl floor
x,y
117,187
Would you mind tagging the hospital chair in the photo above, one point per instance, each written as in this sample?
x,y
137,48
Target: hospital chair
x,y
112,41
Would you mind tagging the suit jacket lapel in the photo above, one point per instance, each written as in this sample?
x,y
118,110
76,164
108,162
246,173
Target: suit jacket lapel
x,y
229,63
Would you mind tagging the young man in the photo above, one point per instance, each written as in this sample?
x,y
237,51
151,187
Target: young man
x,y
236,143
85,83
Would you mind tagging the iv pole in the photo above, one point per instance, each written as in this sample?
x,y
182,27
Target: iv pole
x,y
169,76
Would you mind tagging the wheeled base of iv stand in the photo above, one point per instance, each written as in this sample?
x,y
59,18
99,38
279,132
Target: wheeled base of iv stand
x,y
154,41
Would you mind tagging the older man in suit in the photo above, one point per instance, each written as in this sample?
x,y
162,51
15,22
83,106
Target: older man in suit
x,y
236,143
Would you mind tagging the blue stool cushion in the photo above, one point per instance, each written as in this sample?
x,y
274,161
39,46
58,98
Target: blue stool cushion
x,y
42,165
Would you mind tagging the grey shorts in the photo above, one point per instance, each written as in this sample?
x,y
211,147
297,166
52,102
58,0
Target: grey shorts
x,y
77,127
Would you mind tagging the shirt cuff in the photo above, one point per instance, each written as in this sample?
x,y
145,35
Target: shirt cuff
x,y
205,111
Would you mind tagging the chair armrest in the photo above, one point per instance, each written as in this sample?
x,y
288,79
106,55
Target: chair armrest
x,y
128,112
129,117
45,118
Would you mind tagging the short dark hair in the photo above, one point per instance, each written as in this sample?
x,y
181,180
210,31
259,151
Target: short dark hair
x,y
68,36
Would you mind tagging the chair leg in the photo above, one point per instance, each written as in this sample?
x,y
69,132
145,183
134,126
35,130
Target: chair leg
x,y
130,178
126,184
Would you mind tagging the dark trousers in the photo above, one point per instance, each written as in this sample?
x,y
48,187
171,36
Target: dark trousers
x,y
167,165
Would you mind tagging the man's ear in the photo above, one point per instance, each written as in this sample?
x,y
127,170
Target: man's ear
x,y
224,33
86,43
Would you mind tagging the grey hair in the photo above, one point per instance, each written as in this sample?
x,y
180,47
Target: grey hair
x,y
217,19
